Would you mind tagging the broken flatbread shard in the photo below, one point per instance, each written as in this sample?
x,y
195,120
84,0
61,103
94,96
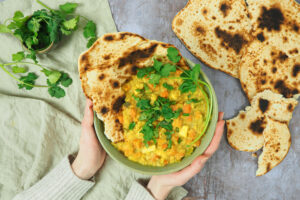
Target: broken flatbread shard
x,y
277,142
276,23
112,61
245,131
274,105
216,32
268,67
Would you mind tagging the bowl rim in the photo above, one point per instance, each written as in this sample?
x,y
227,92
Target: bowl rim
x,y
153,170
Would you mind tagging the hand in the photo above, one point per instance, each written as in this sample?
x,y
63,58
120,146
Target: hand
x,y
160,186
91,155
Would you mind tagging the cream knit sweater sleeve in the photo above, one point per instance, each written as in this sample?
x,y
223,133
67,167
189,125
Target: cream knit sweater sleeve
x,y
62,184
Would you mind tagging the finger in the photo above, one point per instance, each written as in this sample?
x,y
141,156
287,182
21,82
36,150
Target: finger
x,y
191,170
220,117
88,118
213,146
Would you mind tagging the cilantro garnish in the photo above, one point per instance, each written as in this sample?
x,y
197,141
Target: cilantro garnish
x,y
173,55
193,101
131,125
167,86
161,107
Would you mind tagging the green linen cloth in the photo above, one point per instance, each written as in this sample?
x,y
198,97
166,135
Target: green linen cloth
x,y
36,130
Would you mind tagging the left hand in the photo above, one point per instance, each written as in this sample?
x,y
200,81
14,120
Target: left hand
x,y
160,186
91,155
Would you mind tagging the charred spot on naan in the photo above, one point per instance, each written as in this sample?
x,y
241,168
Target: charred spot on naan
x,y
225,8
257,127
284,89
296,70
117,104
263,105
136,56
271,18
231,40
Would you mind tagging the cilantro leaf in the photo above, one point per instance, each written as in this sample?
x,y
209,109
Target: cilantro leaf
x,y
65,31
91,42
52,28
187,85
143,104
144,71
65,80
46,72
68,7
157,65
29,79
32,56
167,112
154,78
18,20
179,140
16,69
167,69
173,54
166,125
131,125
54,76
167,86
195,72
177,113
56,91
18,56
4,29
193,101
89,30
71,24
34,24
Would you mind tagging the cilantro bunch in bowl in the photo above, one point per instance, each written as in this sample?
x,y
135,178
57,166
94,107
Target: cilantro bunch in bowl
x,y
45,27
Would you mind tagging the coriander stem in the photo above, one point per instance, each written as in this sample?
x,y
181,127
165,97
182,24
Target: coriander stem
x,y
16,63
44,5
10,74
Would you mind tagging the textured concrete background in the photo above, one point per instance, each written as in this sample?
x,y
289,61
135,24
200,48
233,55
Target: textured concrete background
x,y
229,174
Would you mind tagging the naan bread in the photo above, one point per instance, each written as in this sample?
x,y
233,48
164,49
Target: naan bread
x,y
112,60
216,32
277,142
268,67
245,132
272,61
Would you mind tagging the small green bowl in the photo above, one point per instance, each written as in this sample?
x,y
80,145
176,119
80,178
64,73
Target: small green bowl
x,y
151,170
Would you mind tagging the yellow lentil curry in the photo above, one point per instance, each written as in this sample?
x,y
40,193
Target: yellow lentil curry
x,y
160,120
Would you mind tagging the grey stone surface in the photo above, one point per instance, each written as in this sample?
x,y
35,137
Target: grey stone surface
x,y
229,174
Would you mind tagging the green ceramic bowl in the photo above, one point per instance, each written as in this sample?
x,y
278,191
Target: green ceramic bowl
x,y
151,170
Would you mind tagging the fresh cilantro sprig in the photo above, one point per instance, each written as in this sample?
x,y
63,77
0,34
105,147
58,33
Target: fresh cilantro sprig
x,y
151,113
47,26
55,79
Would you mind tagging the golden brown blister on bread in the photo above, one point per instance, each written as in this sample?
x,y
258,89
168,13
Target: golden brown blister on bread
x,y
112,61
245,132
216,32
277,142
